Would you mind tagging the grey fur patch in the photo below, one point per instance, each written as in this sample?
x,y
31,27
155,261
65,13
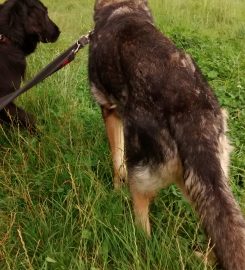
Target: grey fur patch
x,y
149,180
224,149
101,98
120,11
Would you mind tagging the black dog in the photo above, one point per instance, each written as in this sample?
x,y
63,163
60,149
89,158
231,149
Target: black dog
x,y
23,24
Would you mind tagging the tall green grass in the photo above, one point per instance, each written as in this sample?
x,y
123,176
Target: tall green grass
x,y
58,209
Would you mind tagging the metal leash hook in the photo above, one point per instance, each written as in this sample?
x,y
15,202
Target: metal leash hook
x,y
84,40
77,48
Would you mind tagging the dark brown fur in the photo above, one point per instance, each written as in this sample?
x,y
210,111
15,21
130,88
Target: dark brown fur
x,y
154,97
23,23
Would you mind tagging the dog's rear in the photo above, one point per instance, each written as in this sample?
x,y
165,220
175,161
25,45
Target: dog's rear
x,y
174,129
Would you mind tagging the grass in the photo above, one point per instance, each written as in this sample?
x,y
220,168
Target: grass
x,y
57,206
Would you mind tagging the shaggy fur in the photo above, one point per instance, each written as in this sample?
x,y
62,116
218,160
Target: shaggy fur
x,y
23,24
159,109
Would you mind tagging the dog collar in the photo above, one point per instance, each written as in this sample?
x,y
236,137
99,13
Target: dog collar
x,y
4,39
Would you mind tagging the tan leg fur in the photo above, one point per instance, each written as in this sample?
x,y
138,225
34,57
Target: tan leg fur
x,y
114,129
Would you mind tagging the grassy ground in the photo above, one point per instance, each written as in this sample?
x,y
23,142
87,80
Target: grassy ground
x,y
57,206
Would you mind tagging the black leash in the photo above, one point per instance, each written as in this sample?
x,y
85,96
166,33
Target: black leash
x,y
59,62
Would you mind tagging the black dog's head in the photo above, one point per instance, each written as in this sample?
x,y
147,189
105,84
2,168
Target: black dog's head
x,y
26,22
38,22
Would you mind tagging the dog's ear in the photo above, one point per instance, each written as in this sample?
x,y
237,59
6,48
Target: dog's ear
x,y
13,11
141,3
102,3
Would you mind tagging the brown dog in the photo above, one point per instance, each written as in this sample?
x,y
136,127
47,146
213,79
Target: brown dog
x,y
154,97
23,24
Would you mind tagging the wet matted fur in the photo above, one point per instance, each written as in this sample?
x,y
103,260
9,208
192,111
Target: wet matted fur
x,y
23,24
155,100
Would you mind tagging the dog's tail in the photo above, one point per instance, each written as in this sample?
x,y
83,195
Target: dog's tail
x,y
205,162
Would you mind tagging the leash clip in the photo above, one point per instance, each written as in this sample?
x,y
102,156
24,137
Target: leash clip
x,y
77,48
84,40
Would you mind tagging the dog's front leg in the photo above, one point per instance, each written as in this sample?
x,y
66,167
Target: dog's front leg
x,y
114,129
13,115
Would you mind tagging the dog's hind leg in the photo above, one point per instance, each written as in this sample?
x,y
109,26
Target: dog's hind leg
x,y
143,188
114,129
141,204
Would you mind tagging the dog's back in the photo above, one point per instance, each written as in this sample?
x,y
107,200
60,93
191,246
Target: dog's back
x,y
173,126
